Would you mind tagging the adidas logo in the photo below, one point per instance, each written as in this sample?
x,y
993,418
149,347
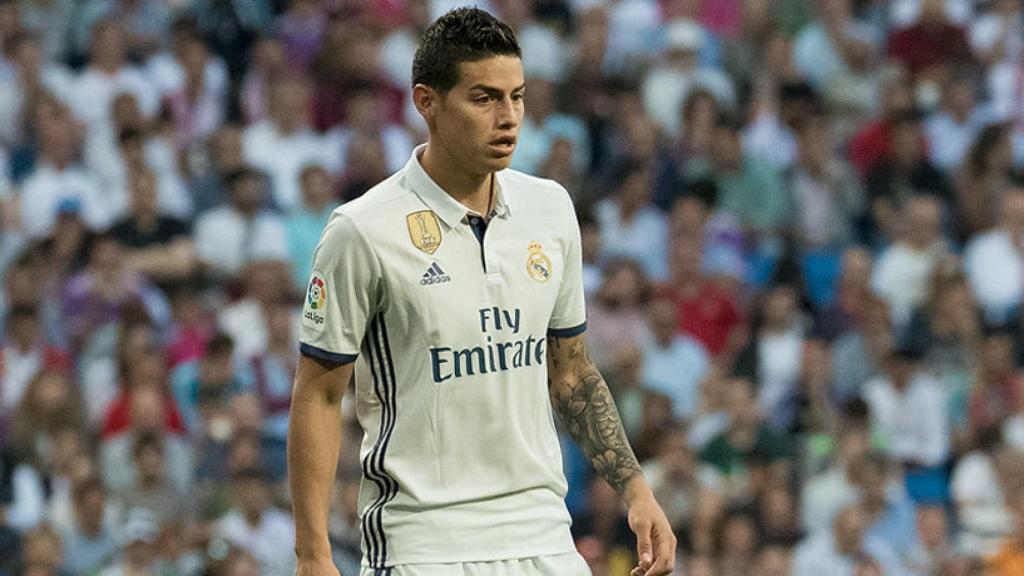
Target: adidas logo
x,y
434,275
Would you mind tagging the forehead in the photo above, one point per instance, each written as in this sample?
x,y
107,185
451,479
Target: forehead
x,y
501,72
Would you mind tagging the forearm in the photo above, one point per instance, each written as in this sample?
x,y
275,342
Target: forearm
x,y
584,404
314,440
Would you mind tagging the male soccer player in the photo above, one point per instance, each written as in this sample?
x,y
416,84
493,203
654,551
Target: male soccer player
x,y
458,285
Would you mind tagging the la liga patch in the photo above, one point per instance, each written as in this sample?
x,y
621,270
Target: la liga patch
x,y
314,313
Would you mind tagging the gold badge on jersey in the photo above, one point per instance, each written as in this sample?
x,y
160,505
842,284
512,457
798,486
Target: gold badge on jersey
x,y
538,265
424,230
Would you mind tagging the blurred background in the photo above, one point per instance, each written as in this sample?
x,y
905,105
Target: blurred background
x,y
803,232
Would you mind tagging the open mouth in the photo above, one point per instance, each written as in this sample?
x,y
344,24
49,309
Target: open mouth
x,y
505,144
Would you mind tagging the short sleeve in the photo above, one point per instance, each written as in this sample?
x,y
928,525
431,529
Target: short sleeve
x,y
341,295
569,318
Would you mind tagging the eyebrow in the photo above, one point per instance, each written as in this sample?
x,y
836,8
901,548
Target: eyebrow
x,y
490,90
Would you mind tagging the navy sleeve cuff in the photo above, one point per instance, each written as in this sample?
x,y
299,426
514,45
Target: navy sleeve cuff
x,y
314,352
567,332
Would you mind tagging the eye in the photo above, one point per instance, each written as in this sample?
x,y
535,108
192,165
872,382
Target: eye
x,y
517,97
482,99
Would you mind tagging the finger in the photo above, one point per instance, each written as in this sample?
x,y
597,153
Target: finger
x,y
665,553
644,548
638,571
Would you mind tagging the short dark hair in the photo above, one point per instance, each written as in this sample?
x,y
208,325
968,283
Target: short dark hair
x,y
462,35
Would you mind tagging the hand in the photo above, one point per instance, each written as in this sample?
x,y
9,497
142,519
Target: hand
x,y
316,567
655,542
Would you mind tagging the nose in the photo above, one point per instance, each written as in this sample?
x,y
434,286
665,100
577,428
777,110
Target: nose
x,y
508,114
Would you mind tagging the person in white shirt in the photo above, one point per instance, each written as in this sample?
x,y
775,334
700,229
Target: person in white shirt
x,y
285,143
32,76
453,292
845,550
994,261
908,412
903,272
675,364
254,525
952,129
229,237
108,74
631,225
666,86
58,178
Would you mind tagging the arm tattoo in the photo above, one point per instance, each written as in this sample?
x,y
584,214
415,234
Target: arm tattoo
x,y
580,397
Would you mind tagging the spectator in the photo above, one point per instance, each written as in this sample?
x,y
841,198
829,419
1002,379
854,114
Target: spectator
x,y
930,44
58,178
890,515
978,495
933,552
845,549
33,77
688,488
100,294
832,44
231,236
707,311
747,441
774,357
255,526
998,391
674,364
666,86
23,355
908,416
268,65
158,246
904,270
983,179
826,197
284,143
749,189
300,29
631,226
137,539
617,314
143,409
953,128
151,489
825,493
197,107
997,250
203,383
90,544
107,74
223,157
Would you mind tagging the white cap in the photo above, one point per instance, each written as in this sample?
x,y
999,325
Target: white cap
x,y
683,34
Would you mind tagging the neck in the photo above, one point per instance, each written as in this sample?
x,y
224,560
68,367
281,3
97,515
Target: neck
x,y
471,190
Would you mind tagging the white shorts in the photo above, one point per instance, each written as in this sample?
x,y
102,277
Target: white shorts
x,y
569,564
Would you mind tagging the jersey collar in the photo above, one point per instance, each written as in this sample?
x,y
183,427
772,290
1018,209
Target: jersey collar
x,y
450,210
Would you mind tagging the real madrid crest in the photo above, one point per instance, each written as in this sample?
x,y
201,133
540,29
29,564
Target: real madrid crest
x,y
538,265
424,230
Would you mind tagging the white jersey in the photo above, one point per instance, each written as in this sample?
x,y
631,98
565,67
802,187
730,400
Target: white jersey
x,y
447,318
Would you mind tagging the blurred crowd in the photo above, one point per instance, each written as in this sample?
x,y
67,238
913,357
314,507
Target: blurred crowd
x,y
803,233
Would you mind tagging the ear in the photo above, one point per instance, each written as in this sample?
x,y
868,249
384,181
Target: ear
x,y
426,100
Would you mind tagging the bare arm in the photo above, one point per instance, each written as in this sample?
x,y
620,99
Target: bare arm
x,y
314,441
580,397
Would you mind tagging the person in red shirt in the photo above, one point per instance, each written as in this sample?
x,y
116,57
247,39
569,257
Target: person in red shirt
x,y
707,311
931,43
